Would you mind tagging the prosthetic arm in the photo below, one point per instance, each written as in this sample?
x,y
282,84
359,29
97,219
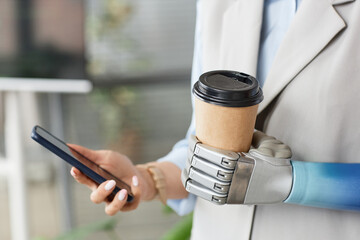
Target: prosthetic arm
x,y
267,175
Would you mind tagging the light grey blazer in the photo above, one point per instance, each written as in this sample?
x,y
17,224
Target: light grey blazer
x,y
311,102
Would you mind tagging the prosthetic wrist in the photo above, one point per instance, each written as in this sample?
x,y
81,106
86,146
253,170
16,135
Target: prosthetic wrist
x,y
267,180
264,175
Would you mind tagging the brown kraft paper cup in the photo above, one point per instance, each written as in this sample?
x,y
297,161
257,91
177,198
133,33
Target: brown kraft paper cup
x,y
226,104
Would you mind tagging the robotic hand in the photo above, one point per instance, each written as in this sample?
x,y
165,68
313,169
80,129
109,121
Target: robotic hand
x,y
263,175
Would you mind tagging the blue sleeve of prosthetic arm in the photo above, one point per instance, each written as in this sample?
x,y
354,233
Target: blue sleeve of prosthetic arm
x,y
326,185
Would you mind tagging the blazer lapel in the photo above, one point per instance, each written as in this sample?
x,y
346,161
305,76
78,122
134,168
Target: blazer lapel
x,y
231,33
337,2
240,41
315,24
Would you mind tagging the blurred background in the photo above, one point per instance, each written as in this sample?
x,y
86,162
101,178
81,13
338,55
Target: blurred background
x,y
137,56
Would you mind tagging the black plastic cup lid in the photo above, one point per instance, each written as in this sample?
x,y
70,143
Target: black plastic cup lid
x,y
228,89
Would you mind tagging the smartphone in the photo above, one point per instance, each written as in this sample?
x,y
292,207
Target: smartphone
x,y
85,165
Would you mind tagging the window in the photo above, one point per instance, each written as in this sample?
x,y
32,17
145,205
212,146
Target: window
x,y
140,40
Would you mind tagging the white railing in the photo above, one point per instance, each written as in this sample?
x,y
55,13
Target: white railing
x,y
12,165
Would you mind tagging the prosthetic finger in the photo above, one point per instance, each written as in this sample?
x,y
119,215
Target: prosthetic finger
x,y
200,190
210,169
209,182
205,193
223,158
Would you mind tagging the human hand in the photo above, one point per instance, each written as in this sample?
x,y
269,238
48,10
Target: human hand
x,y
263,175
122,168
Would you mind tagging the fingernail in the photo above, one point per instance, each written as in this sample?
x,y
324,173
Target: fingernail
x,y
110,185
122,194
72,173
135,181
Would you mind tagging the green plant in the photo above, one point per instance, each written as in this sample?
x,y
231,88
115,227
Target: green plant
x,y
181,230
107,225
114,106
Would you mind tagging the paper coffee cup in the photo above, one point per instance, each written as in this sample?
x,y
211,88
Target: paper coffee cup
x,y
226,105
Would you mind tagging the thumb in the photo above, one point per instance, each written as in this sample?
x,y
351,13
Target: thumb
x,y
80,151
